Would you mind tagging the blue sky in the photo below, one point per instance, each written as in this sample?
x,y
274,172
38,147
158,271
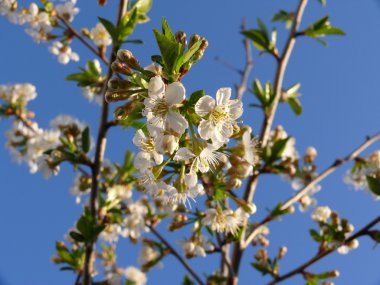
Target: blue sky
x,y
339,95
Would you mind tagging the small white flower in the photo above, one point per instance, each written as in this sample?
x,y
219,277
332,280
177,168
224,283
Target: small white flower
x,y
321,214
134,224
80,187
100,36
67,10
64,121
36,19
64,53
226,221
218,116
160,106
208,158
135,275
346,248
147,144
196,246
189,189
110,234
18,93
147,254
167,144
8,9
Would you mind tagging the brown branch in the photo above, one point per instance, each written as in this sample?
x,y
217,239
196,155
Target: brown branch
x,y
82,39
242,87
301,269
176,255
99,153
304,191
282,63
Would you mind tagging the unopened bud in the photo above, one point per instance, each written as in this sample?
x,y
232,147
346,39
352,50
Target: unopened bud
x,y
122,112
204,44
193,39
121,68
353,244
180,37
102,2
234,183
127,57
86,33
264,242
311,154
283,250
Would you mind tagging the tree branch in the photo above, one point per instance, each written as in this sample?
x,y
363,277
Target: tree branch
x,y
319,256
99,152
304,191
282,63
176,255
242,87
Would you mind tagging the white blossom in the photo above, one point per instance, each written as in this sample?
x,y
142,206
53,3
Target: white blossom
x,y
160,106
134,224
226,221
189,189
135,275
321,214
148,154
67,10
218,116
250,147
207,158
196,246
100,36
63,52
18,92
147,254
80,187
8,9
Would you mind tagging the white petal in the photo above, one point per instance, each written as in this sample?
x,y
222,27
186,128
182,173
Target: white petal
x,y
138,137
63,58
223,95
183,154
176,122
175,93
156,86
158,158
206,129
204,106
191,179
236,109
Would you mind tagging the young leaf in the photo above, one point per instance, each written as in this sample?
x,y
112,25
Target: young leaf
x,y
374,185
295,104
322,28
167,31
86,140
127,25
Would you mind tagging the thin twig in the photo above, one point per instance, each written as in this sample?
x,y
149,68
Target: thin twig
x,y
282,63
99,153
176,255
242,87
304,191
319,256
82,39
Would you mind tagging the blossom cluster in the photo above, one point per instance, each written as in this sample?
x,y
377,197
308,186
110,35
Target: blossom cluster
x,y
27,142
364,169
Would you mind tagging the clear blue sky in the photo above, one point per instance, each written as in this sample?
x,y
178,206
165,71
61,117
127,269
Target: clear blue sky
x,y
341,102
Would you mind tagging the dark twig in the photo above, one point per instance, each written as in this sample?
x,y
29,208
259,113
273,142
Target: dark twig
x,y
301,269
176,255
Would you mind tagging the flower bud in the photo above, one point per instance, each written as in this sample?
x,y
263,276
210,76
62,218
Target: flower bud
x,y
122,112
127,57
180,37
283,250
121,68
311,154
86,33
234,183
353,244
193,39
167,144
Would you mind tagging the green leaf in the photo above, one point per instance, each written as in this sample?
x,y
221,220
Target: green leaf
x,y
195,96
127,25
374,185
170,51
77,236
110,27
263,269
92,69
86,140
322,28
315,235
187,281
166,30
283,16
187,55
260,40
296,106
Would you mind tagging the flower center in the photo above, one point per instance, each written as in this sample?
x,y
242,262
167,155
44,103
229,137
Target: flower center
x,y
218,114
161,108
147,144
